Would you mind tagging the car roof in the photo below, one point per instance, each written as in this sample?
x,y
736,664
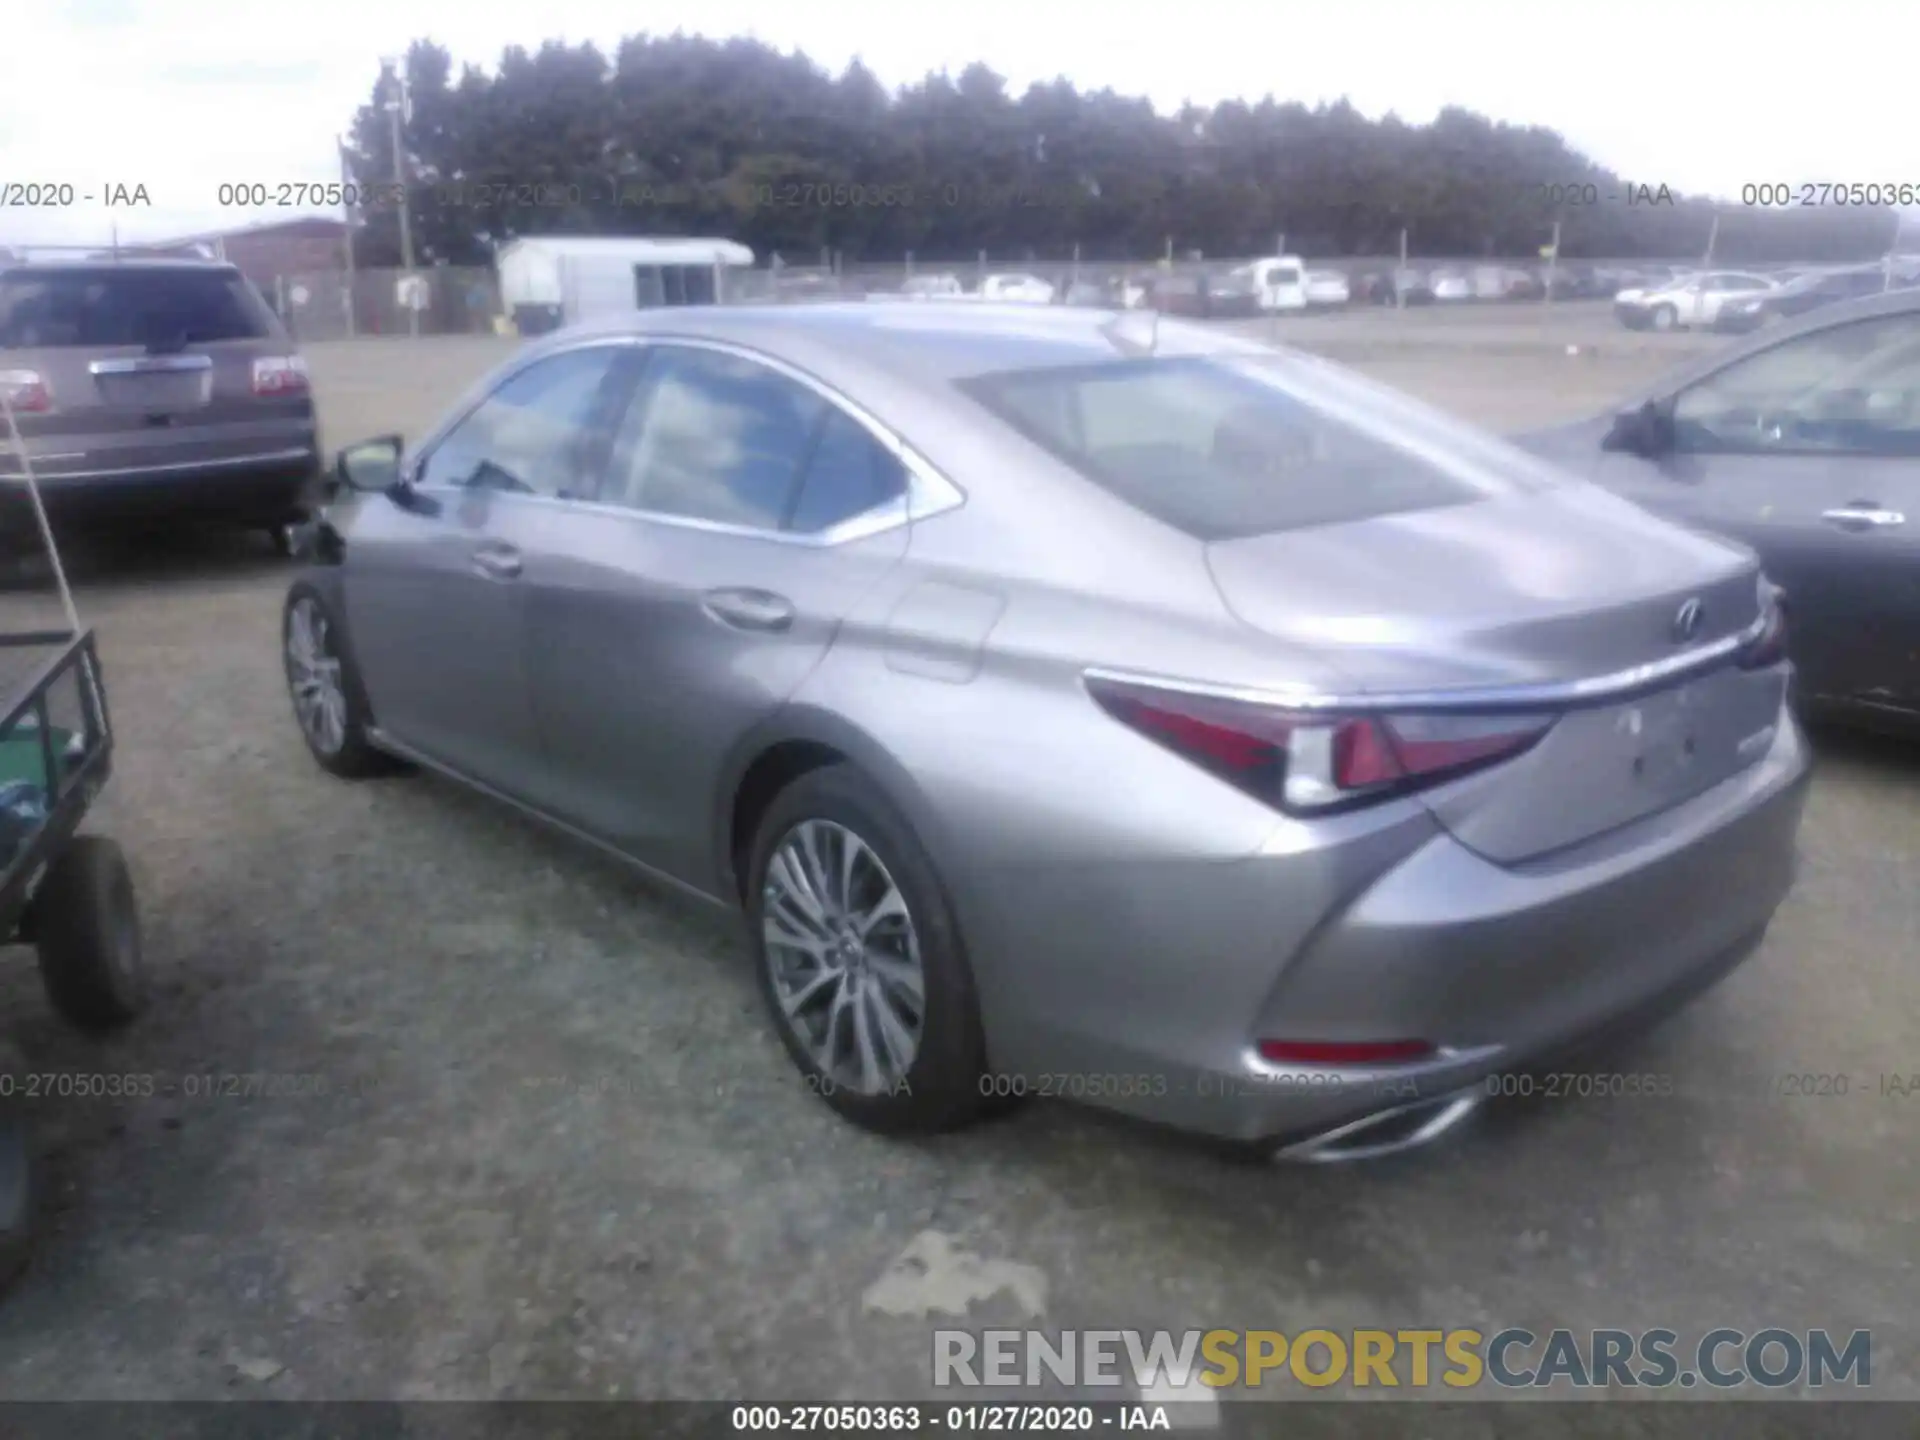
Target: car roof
x,y
1870,307
90,267
935,342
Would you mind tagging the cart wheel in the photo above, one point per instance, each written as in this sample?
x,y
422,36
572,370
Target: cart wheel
x,y
19,1179
86,924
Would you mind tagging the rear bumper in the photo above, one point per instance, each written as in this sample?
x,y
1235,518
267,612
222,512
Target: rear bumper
x,y
266,487
1498,966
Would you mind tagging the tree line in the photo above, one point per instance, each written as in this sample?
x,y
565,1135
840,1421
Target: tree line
x,y
681,135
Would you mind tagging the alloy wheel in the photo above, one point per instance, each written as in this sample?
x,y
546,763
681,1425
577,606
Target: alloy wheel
x,y
313,673
843,957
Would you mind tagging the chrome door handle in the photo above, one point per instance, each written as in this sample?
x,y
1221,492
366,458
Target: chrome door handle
x,y
497,562
748,609
1863,516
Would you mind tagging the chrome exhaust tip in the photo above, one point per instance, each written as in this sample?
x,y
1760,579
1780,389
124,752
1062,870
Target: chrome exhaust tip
x,y
1385,1132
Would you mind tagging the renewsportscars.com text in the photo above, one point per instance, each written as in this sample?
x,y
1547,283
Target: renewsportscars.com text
x,y
1459,1359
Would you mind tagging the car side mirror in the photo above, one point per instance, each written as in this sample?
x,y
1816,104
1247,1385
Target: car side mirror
x,y
1646,431
371,467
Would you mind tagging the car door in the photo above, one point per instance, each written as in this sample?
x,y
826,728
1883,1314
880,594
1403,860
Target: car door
x,y
744,512
435,600
1809,452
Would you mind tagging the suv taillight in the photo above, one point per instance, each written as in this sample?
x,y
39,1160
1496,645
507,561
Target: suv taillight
x,y
279,375
26,391
1308,763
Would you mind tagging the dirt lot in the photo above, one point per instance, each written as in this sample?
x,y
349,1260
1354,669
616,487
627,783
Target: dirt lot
x,y
558,1154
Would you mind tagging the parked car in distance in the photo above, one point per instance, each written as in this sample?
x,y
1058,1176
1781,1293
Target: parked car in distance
x,y
1326,288
1451,285
730,592
1522,285
1278,282
1802,442
1373,287
1692,303
1413,287
1798,296
1231,297
1172,293
154,391
1017,289
1489,282
939,286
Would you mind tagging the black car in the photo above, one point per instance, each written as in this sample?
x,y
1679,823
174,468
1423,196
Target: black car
x,y
1798,296
1803,443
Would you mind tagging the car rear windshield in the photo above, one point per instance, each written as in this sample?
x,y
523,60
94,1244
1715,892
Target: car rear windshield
x,y
157,309
1222,447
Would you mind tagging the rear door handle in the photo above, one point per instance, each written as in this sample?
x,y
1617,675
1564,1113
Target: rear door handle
x,y
1863,515
748,609
497,562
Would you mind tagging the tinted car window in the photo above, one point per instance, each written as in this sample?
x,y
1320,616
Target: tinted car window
x,y
848,474
714,437
1225,448
158,309
533,435
1849,389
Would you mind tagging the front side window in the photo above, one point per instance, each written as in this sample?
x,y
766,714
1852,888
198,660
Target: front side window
x,y
1222,448
1849,389
711,436
534,435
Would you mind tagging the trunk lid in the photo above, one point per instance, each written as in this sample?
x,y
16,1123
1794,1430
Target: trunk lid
x,y
1563,586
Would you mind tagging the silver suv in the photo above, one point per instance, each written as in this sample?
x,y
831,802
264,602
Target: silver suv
x,y
153,391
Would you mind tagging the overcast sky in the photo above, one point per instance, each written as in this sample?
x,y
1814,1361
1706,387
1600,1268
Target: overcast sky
x,y
182,95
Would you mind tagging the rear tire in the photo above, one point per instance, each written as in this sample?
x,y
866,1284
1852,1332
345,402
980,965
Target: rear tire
x,y
916,945
86,927
329,702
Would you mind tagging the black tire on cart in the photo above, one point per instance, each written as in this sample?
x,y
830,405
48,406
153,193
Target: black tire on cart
x,y
86,925
19,1171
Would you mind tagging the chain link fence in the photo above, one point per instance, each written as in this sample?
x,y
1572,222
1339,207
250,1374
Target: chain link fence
x,y
448,300
336,305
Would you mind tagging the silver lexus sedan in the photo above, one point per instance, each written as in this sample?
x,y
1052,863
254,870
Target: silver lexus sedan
x,y
1078,704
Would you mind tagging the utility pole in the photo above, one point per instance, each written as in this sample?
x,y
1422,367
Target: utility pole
x,y
396,117
1400,275
1713,234
346,194
1553,262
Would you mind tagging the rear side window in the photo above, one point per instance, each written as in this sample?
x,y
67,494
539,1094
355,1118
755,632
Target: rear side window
x,y
157,309
848,474
1222,449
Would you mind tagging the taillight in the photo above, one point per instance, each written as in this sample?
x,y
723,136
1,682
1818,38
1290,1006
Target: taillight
x,y
1311,763
279,375
1769,647
1345,1052
26,391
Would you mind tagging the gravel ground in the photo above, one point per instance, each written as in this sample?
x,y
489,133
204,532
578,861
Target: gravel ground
x,y
558,1154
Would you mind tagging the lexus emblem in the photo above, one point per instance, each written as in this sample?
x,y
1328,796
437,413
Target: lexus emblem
x,y
1686,621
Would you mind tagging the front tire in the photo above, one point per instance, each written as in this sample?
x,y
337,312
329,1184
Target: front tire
x,y
329,701
86,927
861,961
1665,317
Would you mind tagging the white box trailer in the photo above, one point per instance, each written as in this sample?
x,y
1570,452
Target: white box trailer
x,y
551,280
